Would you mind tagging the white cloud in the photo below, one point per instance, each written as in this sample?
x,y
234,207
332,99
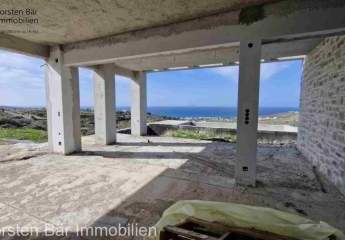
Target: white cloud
x,y
228,72
21,80
268,70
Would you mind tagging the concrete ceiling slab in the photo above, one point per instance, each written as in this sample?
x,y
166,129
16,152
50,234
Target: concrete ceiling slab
x,y
221,56
65,21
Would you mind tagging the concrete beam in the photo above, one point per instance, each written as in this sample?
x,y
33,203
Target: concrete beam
x,y
63,106
104,108
138,104
124,71
282,22
22,46
247,112
295,48
222,56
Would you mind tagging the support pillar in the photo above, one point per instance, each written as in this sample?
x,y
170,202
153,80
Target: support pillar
x,y
104,104
138,104
247,115
63,104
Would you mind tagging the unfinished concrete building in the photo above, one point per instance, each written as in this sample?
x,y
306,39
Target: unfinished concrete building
x,y
131,38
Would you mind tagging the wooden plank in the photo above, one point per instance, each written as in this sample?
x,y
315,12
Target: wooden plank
x,y
250,232
188,234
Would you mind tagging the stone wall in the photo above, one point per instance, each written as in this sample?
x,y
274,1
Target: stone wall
x,y
321,136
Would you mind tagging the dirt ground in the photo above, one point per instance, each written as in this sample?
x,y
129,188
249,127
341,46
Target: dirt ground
x,y
139,177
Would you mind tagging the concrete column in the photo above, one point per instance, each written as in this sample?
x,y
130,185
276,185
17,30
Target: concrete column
x,y
104,108
138,104
247,115
63,104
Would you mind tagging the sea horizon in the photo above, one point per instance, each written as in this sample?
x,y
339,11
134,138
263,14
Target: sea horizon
x,y
213,112
193,111
208,111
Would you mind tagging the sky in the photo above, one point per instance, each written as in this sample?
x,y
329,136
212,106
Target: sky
x,y
22,84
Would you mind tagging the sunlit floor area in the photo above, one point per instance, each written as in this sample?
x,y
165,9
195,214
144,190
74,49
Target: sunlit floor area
x,y
136,179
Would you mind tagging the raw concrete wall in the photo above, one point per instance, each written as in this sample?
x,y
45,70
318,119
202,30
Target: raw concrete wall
x,y
321,136
270,137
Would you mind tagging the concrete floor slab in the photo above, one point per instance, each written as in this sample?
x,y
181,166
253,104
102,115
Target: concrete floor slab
x,y
138,178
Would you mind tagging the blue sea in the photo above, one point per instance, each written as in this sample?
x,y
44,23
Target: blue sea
x,y
209,112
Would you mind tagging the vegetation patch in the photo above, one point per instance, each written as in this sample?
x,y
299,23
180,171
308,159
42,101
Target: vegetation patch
x,y
202,135
34,135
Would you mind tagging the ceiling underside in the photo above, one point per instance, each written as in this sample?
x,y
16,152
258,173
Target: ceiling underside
x,y
221,56
161,34
66,21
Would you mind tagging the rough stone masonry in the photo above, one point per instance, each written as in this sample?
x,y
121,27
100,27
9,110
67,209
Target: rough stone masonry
x,y
321,135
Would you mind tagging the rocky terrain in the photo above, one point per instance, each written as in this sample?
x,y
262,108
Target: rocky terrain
x,y
31,123
36,118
